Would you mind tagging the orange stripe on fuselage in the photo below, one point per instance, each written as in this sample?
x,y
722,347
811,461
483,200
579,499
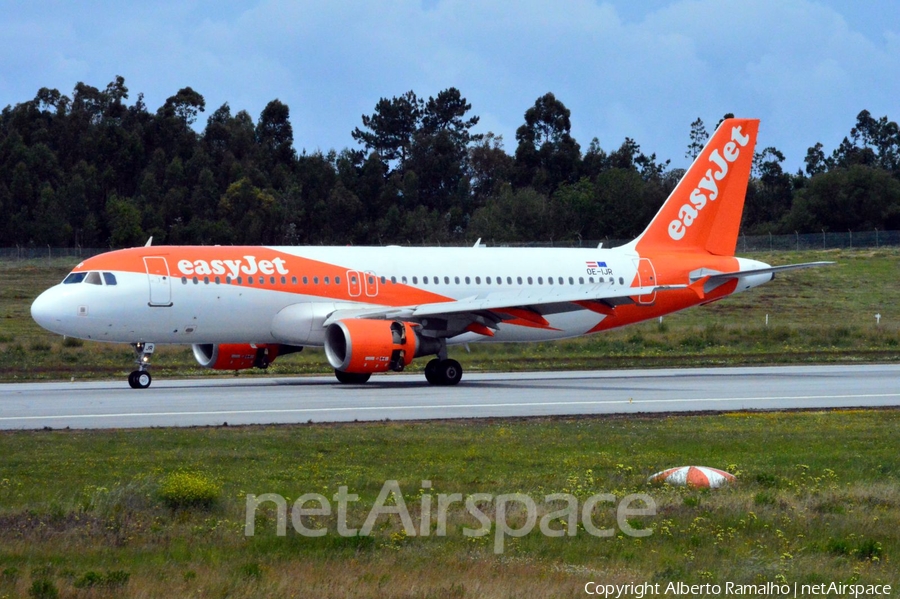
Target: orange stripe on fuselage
x,y
206,261
672,268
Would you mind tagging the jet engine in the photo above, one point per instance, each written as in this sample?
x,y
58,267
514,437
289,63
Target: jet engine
x,y
235,356
366,346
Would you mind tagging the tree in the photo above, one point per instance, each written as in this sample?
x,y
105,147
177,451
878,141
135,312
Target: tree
x,y
440,150
699,136
124,222
445,113
184,106
855,198
391,127
815,160
274,132
770,194
546,155
489,167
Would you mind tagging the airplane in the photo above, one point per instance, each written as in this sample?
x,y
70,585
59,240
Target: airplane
x,y
375,309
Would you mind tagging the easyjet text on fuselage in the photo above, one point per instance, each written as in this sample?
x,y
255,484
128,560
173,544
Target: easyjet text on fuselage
x,y
248,265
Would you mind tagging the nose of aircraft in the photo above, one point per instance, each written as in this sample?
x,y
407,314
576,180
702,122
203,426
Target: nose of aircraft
x,y
46,311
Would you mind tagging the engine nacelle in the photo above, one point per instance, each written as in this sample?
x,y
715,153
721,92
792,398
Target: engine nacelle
x,y
360,345
235,356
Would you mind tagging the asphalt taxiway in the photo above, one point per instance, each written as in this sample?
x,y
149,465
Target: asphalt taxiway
x,y
268,400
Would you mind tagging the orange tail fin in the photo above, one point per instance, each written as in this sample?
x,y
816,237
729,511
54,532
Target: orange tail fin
x,y
704,211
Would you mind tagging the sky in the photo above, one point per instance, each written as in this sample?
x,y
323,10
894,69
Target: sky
x,y
641,69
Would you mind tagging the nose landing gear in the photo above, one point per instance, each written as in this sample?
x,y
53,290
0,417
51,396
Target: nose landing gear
x,y
140,378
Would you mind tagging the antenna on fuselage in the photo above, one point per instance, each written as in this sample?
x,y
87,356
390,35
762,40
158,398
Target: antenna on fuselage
x,y
149,242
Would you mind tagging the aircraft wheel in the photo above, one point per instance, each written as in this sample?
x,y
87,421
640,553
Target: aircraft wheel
x,y
448,372
352,378
431,374
139,379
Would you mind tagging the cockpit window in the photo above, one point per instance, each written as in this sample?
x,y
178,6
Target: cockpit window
x,y
109,278
74,277
93,278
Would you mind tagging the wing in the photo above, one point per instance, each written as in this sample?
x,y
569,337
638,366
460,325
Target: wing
x,y
483,313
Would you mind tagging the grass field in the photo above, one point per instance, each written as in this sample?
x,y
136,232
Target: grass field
x,y
92,513
161,512
814,316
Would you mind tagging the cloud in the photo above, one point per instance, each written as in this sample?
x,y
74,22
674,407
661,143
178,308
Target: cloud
x,y
644,70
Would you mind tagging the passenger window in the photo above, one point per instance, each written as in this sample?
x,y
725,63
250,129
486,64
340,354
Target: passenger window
x,y
488,280
425,280
293,280
499,280
446,280
478,280
561,281
184,280
590,279
519,279
74,277
415,280
468,280
328,280
93,278
109,278
315,280
393,280
540,280
456,279
240,280
218,281
283,280
403,279
621,281
306,280
529,280
228,279
383,280
206,280
581,280
337,280
196,281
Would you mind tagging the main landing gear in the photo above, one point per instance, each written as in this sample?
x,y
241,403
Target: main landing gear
x,y
443,372
140,378
437,372
351,378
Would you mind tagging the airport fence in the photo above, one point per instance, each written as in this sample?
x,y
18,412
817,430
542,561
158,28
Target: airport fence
x,y
746,244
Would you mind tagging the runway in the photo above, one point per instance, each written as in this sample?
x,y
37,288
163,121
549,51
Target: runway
x,y
261,400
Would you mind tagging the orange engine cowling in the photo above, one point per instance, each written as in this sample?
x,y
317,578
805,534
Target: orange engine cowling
x,y
235,356
370,345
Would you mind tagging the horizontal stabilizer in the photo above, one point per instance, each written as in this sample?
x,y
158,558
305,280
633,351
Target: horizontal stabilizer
x,y
714,276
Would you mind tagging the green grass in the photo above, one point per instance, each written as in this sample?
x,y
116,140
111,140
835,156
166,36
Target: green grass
x,y
161,512
814,316
817,500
